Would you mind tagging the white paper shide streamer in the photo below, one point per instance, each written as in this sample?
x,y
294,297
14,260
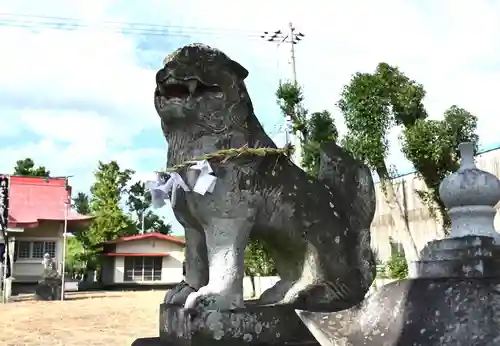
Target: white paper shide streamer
x,y
205,182
161,188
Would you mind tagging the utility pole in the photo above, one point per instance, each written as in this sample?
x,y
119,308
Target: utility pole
x,y
293,38
67,206
292,50
142,222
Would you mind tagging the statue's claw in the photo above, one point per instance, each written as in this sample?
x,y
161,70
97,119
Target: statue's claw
x,y
178,294
209,298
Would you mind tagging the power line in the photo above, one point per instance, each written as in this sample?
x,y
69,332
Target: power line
x,y
256,32
291,37
26,21
119,30
69,24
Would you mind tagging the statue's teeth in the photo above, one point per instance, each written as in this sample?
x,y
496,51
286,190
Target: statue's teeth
x,y
161,89
192,84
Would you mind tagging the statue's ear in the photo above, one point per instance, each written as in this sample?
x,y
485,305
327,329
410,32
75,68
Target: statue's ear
x,y
239,70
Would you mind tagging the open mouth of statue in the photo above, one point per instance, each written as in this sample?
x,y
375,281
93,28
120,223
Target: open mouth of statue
x,y
174,90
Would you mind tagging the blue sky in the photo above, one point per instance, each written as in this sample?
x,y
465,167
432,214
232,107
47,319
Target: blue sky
x,y
71,98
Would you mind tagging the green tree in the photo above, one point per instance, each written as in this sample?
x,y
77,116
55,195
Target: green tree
x,y
27,167
397,267
81,203
76,254
139,204
312,129
258,262
374,103
432,147
110,221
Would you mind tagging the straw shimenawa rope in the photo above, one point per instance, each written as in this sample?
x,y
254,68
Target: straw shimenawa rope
x,y
226,154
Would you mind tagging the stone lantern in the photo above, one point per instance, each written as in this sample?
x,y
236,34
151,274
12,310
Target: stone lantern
x,y
470,195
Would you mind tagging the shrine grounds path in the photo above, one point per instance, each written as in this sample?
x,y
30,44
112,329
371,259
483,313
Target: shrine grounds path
x,y
84,319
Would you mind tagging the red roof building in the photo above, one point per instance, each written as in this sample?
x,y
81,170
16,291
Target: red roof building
x,y
152,235
34,199
38,208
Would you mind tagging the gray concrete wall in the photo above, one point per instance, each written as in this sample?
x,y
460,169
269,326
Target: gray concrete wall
x,y
422,225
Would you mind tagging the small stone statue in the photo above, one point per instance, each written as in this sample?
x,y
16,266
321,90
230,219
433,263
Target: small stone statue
x,y
48,263
49,287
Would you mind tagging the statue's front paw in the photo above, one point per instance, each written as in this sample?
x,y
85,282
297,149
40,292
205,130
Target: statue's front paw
x,y
209,298
178,294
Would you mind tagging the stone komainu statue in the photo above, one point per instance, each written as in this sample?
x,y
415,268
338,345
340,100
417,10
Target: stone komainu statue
x,y
316,230
49,286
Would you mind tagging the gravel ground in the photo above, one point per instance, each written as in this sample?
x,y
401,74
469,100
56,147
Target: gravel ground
x,y
97,319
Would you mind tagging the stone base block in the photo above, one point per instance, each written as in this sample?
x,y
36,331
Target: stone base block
x,y
254,325
155,341
49,289
470,256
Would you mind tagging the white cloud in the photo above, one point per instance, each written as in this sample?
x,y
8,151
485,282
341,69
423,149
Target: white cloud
x,y
75,70
82,92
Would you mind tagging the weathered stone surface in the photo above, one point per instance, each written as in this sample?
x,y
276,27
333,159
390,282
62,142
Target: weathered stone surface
x,y
417,312
179,293
154,341
48,289
458,277
254,325
469,256
317,230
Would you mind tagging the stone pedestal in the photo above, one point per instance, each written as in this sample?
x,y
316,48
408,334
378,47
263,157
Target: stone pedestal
x,y
49,288
253,325
467,257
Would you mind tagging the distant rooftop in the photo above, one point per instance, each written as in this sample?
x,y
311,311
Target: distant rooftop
x,y
32,199
154,235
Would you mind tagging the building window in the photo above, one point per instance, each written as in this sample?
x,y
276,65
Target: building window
x,y
23,249
35,249
143,268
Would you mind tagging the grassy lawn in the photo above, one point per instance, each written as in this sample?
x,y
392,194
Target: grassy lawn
x,y
94,318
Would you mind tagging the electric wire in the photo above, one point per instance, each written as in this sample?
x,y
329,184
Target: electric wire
x,y
65,19
35,22
137,28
